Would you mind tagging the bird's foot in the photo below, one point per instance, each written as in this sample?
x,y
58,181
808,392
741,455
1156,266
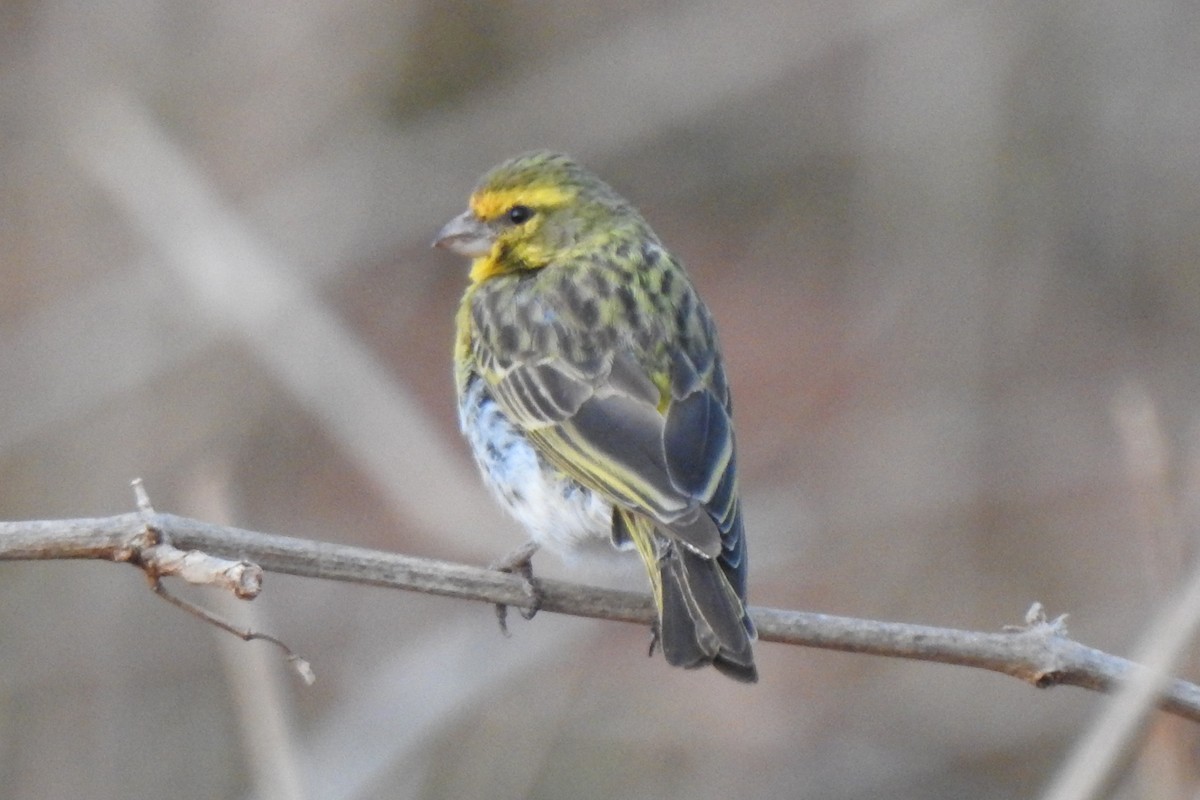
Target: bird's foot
x,y
519,562
654,639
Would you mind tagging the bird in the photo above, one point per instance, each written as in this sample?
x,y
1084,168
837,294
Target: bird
x,y
593,396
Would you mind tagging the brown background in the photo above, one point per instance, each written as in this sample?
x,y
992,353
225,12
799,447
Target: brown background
x,y
952,250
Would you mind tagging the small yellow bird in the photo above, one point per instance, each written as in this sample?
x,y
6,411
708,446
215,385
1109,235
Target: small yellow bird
x,y
591,391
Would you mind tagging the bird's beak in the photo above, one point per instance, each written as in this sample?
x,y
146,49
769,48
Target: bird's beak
x,y
466,235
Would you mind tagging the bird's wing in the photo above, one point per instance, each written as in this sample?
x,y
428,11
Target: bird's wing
x,y
666,453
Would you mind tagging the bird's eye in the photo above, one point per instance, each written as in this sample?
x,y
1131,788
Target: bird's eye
x,y
519,215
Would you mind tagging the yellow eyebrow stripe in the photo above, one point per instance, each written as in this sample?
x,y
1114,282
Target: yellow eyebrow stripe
x,y
491,203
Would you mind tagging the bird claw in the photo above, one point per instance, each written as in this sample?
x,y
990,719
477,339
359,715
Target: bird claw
x,y
654,639
519,562
502,620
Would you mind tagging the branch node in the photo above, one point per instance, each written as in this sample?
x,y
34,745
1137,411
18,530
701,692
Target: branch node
x,y
131,549
1036,622
1044,680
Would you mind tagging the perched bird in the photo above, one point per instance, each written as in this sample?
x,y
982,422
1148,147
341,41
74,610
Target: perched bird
x,y
591,390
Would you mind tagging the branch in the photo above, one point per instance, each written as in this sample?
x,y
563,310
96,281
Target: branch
x,y
1039,652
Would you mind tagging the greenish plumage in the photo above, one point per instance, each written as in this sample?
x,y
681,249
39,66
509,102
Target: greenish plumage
x,y
592,393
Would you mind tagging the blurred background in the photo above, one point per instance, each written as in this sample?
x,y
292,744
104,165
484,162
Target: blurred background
x,y
951,248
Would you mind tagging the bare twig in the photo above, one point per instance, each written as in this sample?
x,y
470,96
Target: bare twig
x,y
158,558
1039,653
298,663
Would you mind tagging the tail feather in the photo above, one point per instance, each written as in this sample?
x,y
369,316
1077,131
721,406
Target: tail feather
x,y
703,621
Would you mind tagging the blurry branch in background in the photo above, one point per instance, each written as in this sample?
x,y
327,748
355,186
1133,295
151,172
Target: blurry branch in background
x,y
1038,652
244,286
1098,758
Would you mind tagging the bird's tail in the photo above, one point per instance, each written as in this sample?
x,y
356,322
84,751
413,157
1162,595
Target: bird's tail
x,y
702,620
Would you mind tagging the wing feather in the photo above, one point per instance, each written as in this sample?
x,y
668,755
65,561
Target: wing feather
x,y
612,431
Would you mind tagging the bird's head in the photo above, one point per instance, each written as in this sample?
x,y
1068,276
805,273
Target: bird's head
x,y
532,210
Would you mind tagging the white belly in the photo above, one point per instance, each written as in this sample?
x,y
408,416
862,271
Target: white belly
x,y
558,512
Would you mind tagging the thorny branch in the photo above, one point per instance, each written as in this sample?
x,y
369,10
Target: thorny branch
x,y
1038,652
